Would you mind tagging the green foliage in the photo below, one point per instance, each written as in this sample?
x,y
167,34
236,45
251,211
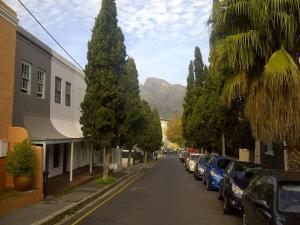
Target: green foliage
x,y
255,49
195,81
109,180
22,160
199,68
174,130
103,106
210,118
151,136
134,117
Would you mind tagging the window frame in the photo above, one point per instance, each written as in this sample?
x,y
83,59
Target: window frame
x,y
68,95
43,83
56,91
28,79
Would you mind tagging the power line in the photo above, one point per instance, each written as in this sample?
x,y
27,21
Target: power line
x,y
49,34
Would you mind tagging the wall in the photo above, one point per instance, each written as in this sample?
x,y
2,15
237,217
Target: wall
x,y
66,118
8,23
2,174
32,51
275,160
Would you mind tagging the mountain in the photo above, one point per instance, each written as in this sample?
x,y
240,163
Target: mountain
x,y
165,97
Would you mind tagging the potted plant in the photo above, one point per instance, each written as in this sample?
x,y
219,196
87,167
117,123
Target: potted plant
x,y
21,163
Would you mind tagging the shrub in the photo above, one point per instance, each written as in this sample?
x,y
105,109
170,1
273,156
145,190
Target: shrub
x,y
22,160
107,181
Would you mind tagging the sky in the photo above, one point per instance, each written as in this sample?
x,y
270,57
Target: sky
x,y
159,34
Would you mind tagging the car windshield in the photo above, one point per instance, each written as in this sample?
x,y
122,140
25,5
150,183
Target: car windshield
x,y
222,163
203,160
289,197
244,173
194,157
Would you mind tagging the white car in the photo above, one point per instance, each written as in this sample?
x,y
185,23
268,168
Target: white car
x,y
191,161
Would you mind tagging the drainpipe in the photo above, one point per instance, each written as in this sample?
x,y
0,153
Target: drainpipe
x,y
285,151
71,161
91,157
223,145
46,170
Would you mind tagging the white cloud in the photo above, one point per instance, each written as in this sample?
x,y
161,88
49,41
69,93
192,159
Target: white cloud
x,y
167,22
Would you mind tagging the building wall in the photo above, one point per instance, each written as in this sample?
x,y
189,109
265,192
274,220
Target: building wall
x,y
60,113
272,156
8,23
31,50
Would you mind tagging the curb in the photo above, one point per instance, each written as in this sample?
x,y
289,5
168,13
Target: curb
x,y
70,209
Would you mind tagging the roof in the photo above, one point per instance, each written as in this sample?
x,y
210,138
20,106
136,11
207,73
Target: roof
x,y
40,128
249,163
281,175
24,33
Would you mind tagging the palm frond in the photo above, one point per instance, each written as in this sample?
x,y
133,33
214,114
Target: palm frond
x,y
234,88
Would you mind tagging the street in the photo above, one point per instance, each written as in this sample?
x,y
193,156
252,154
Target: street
x,y
165,195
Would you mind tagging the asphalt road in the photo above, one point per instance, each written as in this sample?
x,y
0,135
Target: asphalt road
x,y
165,195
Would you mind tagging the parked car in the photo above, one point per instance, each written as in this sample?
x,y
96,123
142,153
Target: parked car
x,y
191,161
214,171
235,180
200,166
272,198
181,156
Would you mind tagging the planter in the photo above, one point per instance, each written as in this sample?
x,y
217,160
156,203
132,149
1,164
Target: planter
x,y
22,183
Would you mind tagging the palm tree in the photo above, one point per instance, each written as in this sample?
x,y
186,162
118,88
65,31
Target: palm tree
x,y
255,45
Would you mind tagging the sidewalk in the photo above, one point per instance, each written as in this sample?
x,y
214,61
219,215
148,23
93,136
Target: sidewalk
x,y
53,204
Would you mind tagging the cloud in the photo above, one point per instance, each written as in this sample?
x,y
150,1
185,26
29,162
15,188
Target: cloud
x,y
172,26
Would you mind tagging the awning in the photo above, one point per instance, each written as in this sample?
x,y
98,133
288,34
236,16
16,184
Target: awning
x,y
40,128
67,128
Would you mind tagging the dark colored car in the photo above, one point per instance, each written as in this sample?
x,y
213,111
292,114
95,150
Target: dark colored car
x,y
272,198
200,166
214,171
235,180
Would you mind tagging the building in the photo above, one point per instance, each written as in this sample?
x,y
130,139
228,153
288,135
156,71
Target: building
x,y
8,24
10,135
48,92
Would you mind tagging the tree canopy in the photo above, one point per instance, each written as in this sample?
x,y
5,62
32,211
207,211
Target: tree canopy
x,y
259,65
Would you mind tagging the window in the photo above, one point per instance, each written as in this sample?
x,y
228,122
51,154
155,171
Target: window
x,y
264,190
56,156
57,90
26,76
41,84
68,94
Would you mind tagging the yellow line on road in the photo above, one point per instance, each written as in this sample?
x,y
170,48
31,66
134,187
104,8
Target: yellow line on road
x,y
106,200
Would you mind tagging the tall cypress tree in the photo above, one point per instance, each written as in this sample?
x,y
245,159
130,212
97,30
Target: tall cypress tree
x,y
199,68
103,105
188,102
133,123
151,136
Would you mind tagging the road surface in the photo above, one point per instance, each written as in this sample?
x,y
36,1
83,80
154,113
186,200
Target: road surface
x,y
165,195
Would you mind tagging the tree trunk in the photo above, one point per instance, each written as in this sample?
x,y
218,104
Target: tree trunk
x,y
129,159
145,156
293,158
106,159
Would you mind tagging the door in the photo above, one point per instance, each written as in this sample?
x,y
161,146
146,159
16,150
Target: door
x,y
65,157
262,191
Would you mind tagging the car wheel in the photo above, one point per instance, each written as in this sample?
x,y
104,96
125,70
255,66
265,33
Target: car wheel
x,y
244,218
226,206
